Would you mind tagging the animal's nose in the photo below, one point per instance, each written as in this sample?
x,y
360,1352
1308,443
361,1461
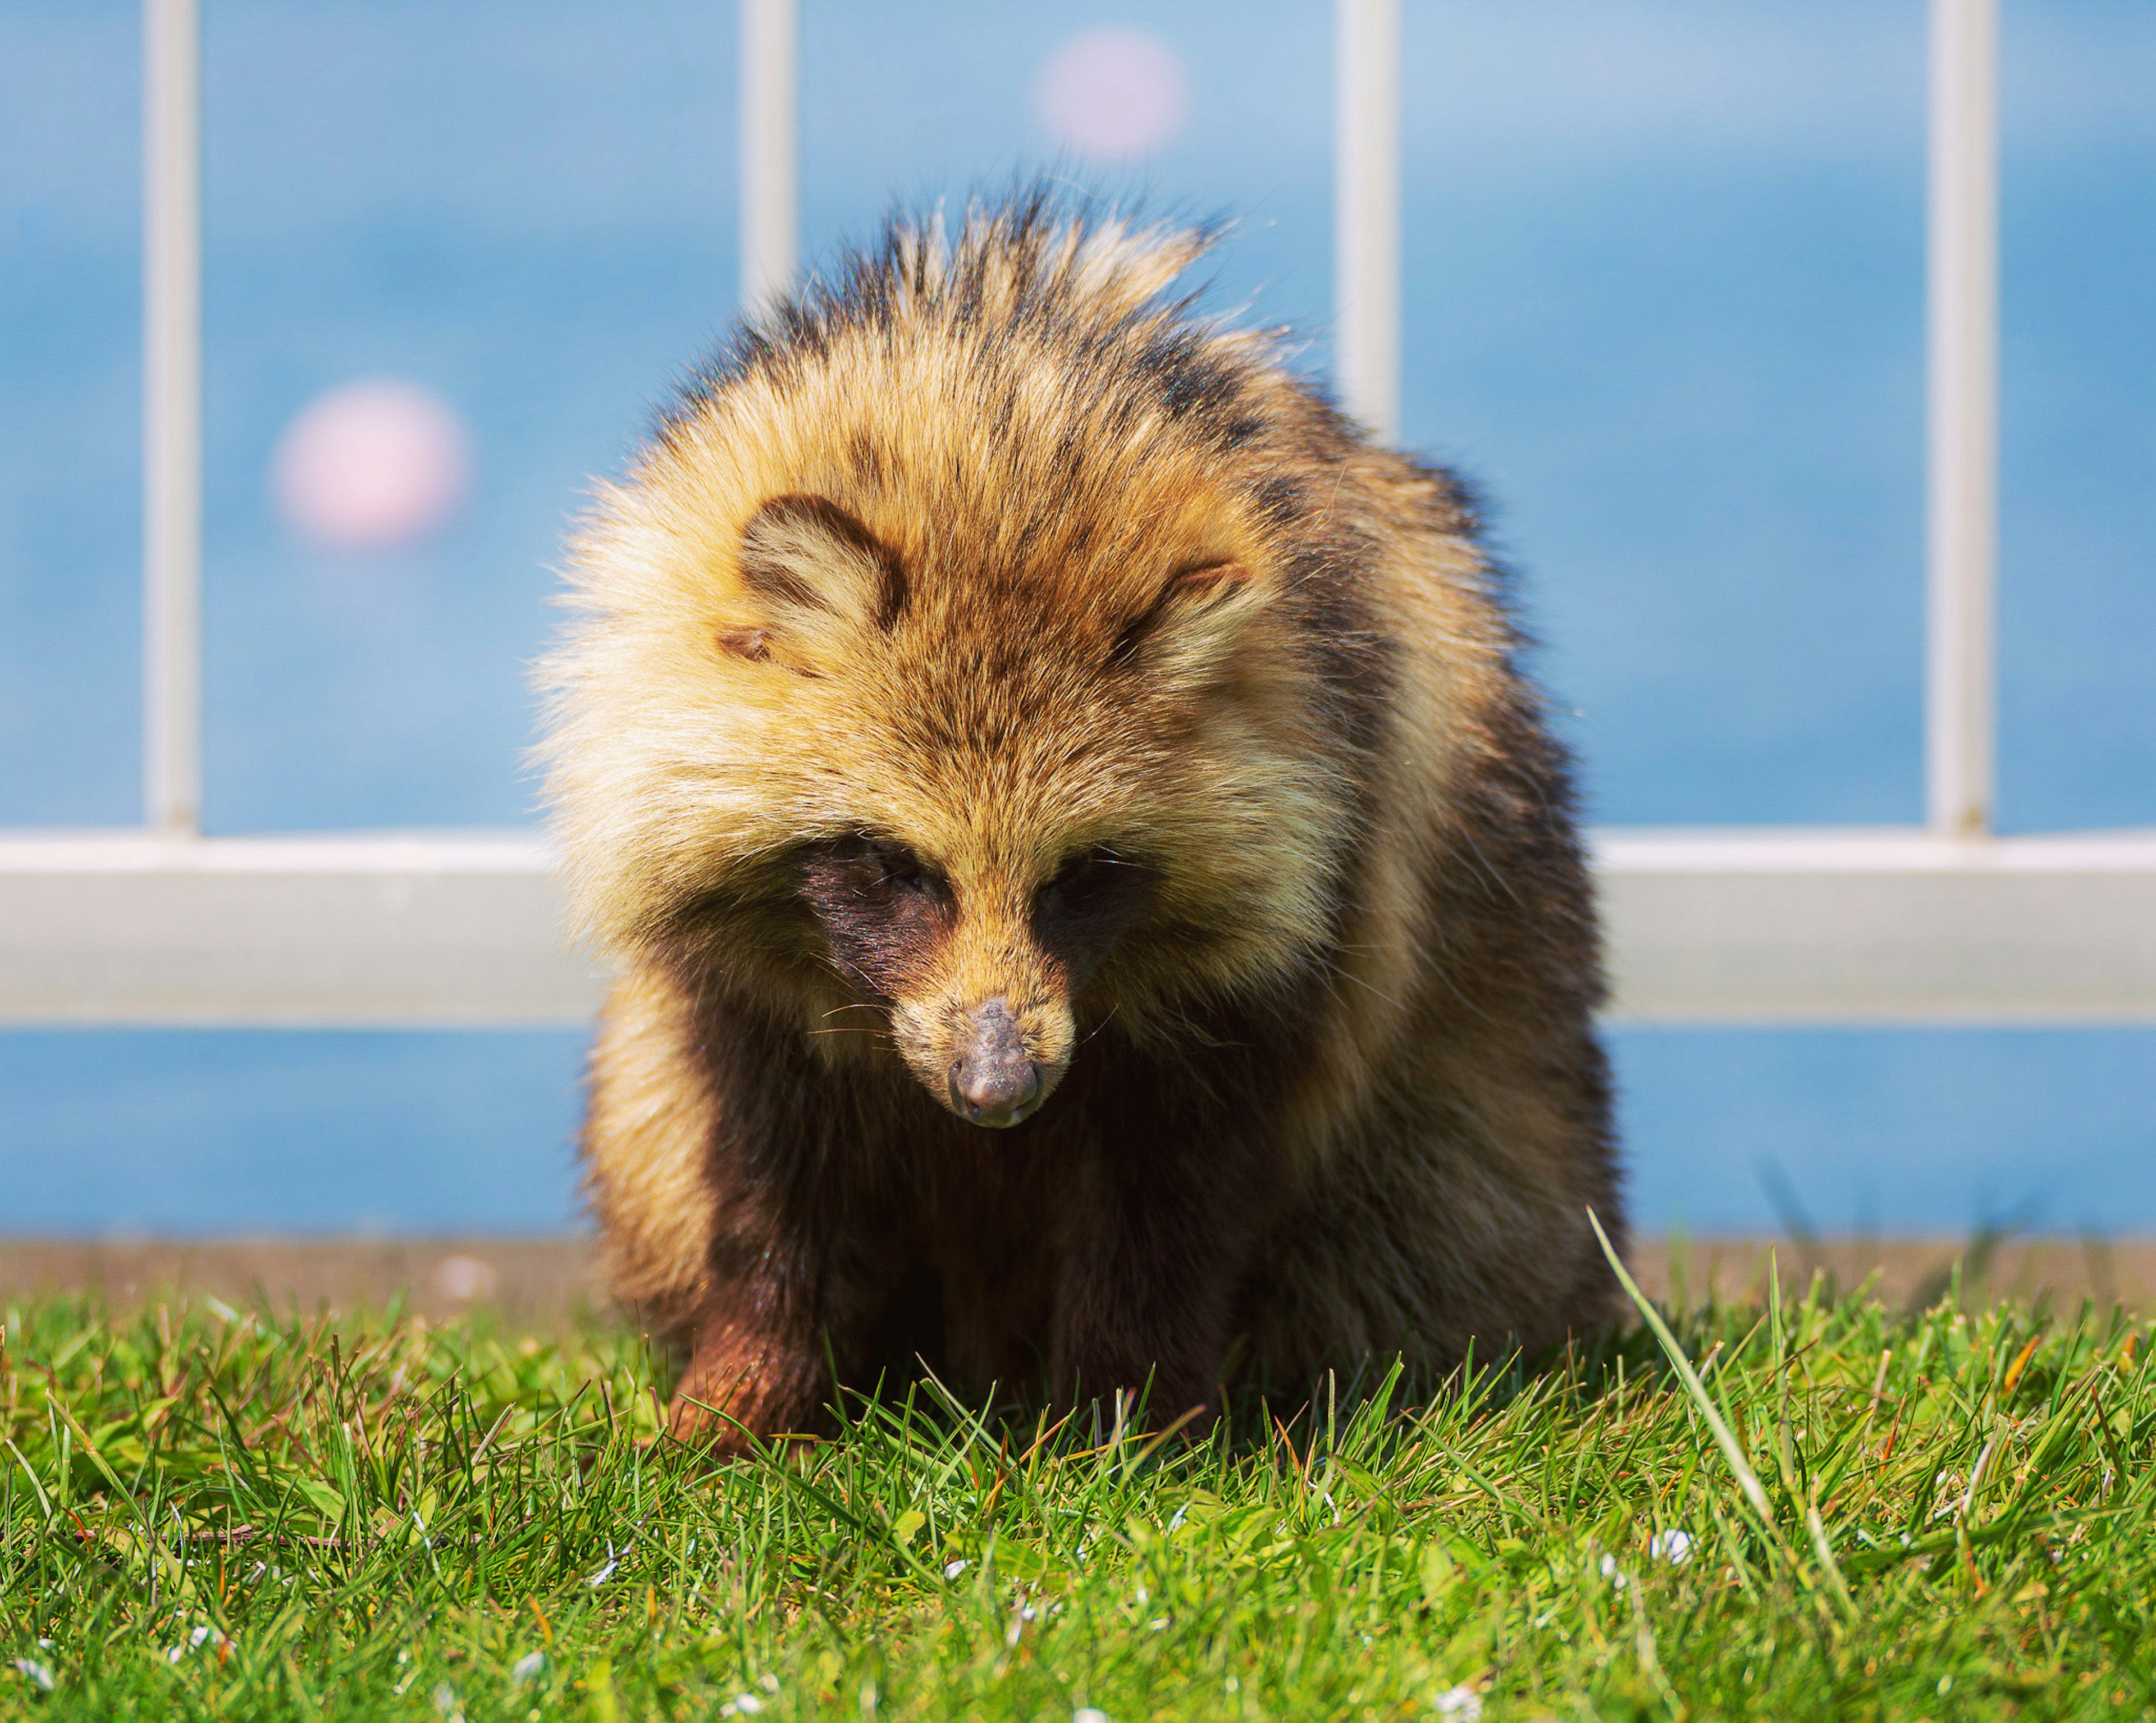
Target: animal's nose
x,y
992,1082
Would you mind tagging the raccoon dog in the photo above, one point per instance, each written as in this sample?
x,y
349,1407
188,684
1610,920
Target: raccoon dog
x,y
1094,902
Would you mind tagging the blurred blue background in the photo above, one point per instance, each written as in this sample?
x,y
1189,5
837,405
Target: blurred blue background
x,y
1663,301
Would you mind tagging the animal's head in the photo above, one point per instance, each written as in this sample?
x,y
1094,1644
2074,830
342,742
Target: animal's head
x,y
951,689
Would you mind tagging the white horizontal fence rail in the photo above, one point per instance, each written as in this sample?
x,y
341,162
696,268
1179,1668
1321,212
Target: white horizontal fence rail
x,y
377,930
1940,925
1807,926
1821,925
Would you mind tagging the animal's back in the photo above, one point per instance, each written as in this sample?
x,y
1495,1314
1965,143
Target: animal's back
x,y
1454,1128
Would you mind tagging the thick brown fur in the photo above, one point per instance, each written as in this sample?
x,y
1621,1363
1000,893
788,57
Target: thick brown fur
x,y
986,631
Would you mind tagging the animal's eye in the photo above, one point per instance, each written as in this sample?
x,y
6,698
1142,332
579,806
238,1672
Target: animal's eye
x,y
898,869
861,873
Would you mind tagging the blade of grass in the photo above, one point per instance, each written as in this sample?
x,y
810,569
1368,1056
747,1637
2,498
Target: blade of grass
x,y
1746,1479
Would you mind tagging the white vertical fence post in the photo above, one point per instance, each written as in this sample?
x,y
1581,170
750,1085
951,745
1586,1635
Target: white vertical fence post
x,y
1366,212
1962,526
171,416
770,147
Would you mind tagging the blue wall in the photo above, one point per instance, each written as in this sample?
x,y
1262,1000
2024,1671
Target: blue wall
x,y
1665,301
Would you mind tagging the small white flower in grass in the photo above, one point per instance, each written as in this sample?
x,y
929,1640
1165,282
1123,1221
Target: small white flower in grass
x,y
444,1697
34,1672
1086,1714
952,1570
747,1702
1672,1546
528,1667
1463,1703
197,1637
1609,1571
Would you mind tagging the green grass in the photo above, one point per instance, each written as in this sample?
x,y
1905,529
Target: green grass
x,y
1939,1514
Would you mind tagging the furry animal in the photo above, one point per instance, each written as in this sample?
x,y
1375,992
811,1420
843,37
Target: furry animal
x,y
1095,902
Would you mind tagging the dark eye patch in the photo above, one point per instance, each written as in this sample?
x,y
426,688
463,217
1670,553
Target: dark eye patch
x,y
867,866
1091,899
1090,874
884,910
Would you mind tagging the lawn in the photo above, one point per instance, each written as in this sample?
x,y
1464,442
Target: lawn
x,y
1830,1509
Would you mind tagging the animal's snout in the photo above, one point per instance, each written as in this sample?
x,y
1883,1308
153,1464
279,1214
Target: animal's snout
x,y
992,1080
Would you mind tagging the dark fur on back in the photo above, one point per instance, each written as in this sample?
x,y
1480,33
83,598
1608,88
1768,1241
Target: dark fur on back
x,y
1001,694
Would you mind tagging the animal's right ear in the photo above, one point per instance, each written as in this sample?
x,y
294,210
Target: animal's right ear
x,y
1192,627
815,579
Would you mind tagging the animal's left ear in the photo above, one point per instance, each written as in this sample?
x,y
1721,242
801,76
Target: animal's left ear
x,y
1191,628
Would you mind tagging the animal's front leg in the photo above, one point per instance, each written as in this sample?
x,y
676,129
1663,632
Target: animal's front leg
x,y
756,1365
780,1309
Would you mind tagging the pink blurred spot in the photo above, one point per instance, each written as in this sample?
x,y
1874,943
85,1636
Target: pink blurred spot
x,y
371,465
1113,94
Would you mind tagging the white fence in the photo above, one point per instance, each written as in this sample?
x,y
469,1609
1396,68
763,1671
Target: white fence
x,y
1939,923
